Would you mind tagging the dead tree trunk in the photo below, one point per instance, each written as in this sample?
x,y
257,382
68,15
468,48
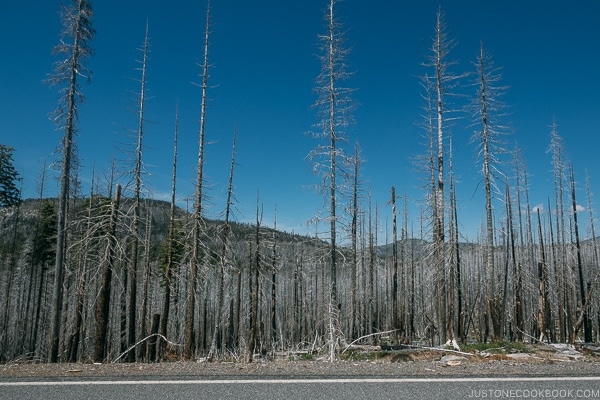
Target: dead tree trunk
x,y
78,29
215,345
171,245
543,306
354,233
75,336
143,350
517,302
135,223
273,313
189,347
103,301
587,322
254,292
395,312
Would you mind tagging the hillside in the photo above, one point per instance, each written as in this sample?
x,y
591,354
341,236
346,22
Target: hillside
x,y
275,283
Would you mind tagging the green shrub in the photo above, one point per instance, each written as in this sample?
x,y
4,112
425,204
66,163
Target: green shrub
x,y
359,355
501,347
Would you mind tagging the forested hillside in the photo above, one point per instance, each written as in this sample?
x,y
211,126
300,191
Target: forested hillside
x,y
28,234
115,274
287,273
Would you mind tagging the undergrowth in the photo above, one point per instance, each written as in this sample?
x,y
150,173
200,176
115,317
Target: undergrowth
x,y
360,355
500,347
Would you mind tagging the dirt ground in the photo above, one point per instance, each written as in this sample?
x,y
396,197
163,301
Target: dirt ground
x,y
537,361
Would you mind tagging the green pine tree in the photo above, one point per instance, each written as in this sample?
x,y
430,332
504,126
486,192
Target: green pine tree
x,y
9,192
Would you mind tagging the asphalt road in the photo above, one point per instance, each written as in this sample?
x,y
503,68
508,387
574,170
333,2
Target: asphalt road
x,y
283,388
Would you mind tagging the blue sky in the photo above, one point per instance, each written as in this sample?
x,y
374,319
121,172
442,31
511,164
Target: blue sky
x,y
264,63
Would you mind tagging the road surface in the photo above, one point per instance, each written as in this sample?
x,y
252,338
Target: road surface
x,y
497,387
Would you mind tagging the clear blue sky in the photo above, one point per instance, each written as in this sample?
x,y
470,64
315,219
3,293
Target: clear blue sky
x,y
264,64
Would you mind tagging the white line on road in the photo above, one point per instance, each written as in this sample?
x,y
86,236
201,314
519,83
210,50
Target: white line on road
x,y
301,381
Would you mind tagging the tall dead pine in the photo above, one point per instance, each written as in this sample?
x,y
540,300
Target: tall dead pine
x,y
487,110
438,88
587,323
334,105
135,224
188,346
76,35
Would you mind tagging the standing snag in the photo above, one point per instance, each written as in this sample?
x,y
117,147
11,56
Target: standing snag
x,y
487,111
76,35
135,223
334,106
173,252
102,310
439,87
197,217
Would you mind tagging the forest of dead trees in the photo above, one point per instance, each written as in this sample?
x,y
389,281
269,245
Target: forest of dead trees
x,y
106,274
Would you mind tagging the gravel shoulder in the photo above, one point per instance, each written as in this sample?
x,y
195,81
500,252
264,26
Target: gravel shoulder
x,y
410,364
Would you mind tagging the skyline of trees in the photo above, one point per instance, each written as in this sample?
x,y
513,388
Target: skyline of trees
x,y
530,276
